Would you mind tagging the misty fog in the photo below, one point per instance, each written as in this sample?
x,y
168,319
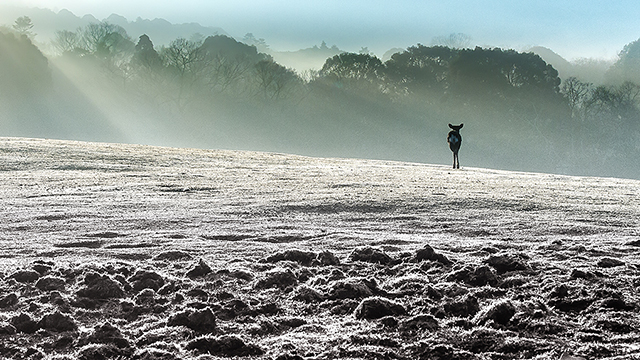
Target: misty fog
x,y
530,111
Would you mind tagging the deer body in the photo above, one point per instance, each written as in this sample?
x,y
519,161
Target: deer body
x,y
455,140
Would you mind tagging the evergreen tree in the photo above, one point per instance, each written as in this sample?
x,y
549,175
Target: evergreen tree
x,y
23,26
145,55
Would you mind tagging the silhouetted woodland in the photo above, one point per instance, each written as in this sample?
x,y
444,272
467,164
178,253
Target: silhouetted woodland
x,y
217,92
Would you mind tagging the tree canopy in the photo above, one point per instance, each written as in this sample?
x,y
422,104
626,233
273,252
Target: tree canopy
x,y
23,68
23,26
421,69
503,72
627,68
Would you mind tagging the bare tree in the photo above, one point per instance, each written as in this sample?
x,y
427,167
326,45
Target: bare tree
x,y
614,102
105,39
184,57
274,79
108,44
576,92
65,41
186,63
226,71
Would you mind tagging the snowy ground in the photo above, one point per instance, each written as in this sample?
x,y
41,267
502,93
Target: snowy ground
x,y
293,257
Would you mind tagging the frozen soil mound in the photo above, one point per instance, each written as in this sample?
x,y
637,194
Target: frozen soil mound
x,y
132,252
298,312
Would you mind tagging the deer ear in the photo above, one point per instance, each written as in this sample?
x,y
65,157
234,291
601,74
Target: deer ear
x,y
451,126
461,125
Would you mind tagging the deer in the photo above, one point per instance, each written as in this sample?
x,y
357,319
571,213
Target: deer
x,y
455,140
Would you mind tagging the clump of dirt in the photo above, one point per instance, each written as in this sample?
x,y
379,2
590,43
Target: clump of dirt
x,y
304,258
8,300
352,288
225,346
478,276
24,323
419,323
464,307
26,276
376,307
57,322
103,351
500,312
370,255
199,270
328,258
307,294
143,279
100,286
607,262
107,334
508,262
202,321
279,278
49,283
427,253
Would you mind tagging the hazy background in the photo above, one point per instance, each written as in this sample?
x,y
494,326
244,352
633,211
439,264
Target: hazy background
x,y
573,28
545,86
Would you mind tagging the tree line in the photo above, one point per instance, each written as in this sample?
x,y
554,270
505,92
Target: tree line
x,y
220,64
525,116
184,69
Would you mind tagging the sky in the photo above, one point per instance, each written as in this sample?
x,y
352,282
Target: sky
x,y
572,28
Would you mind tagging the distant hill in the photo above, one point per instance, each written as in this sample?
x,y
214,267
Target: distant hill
x,y
161,31
389,53
47,22
312,58
588,70
559,63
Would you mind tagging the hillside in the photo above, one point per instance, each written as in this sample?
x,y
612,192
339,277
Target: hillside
x,y
164,253
47,22
588,70
306,59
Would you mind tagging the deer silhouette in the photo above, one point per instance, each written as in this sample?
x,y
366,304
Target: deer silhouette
x,y
455,140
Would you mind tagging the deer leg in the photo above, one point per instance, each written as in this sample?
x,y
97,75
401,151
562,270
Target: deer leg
x,y
457,161
454,160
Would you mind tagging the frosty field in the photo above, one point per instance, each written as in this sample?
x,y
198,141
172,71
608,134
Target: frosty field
x,y
112,251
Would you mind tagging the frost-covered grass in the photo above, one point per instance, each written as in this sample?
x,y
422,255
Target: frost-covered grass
x,y
318,258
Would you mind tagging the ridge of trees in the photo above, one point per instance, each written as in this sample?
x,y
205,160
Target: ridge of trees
x,y
507,91
225,64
